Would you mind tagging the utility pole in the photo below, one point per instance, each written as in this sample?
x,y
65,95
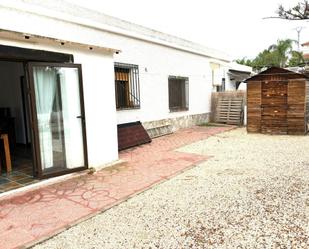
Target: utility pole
x,y
298,30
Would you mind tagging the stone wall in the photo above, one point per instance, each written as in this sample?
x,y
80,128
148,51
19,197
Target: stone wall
x,y
165,126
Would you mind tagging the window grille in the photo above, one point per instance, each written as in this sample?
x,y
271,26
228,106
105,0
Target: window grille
x,y
178,88
127,86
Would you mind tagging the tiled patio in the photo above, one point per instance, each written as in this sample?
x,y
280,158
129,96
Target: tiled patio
x,y
21,174
29,217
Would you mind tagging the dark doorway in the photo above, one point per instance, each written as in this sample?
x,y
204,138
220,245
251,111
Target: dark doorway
x,y
15,125
22,79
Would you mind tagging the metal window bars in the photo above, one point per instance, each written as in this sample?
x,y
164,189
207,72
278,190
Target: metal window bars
x,y
127,87
178,88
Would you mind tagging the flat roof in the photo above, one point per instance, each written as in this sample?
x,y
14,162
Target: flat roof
x,y
65,11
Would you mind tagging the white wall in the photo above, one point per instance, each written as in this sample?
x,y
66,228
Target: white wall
x,y
160,61
99,94
10,95
99,97
230,85
156,63
159,57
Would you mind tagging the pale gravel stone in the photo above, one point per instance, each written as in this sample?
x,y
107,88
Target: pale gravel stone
x,y
253,193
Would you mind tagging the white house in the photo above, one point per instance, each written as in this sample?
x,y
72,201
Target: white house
x,y
305,50
69,75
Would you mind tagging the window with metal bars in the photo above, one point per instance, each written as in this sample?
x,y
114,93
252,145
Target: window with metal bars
x,y
178,91
127,86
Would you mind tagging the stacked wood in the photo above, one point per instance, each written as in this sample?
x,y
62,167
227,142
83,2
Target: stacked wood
x,y
216,97
230,111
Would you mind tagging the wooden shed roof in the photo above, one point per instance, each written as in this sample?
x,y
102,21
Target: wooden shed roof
x,y
276,71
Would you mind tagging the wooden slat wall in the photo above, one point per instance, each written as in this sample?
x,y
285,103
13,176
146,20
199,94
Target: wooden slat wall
x,y
274,107
296,107
215,96
278,102
307,104
230,111
254,107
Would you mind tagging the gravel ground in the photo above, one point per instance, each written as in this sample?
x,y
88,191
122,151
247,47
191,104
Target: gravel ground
x,y
253,193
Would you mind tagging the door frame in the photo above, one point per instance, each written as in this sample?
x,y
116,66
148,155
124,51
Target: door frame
x,y
34,120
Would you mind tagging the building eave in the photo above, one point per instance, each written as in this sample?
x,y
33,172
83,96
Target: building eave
x,y
33,38
153,36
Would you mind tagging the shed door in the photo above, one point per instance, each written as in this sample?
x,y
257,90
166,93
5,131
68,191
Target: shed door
x,y
274,107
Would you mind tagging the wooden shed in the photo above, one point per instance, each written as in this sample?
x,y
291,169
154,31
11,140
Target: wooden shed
x,y
278,102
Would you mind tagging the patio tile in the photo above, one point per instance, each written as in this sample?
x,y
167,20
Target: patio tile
x,y
13,173
3,180
40,213
26,180
9,184
14,238
16,177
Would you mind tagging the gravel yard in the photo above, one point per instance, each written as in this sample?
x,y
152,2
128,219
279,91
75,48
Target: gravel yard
x,y
253,193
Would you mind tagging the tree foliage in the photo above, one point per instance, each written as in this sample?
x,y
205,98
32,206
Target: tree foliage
x,y
280,54
298,12
296,59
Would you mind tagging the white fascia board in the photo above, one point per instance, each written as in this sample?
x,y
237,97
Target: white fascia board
x,y
20,37
239,67
220,62
37,10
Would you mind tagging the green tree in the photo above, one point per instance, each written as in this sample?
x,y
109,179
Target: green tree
x,y
280,54
245,61
266,58
296,59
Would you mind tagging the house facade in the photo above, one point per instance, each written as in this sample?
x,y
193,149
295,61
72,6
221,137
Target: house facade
x,y
305,50
76,74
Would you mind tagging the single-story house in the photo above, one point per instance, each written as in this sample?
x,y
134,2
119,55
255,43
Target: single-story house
x,y
69,76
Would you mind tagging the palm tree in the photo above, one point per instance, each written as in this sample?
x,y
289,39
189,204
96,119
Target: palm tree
x,y
280,54
281,51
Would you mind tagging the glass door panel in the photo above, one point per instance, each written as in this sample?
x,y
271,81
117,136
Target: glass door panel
x,y
59,117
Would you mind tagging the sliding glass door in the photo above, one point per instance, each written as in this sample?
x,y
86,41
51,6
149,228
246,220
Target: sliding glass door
x,y
59,124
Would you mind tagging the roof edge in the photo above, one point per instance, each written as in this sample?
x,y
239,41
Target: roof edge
x,y
283,70
42,11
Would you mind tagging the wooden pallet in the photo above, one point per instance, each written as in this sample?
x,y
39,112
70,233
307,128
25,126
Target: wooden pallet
x,y
230,111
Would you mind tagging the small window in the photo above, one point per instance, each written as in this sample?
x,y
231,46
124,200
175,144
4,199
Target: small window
x,y
178,89
127,86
